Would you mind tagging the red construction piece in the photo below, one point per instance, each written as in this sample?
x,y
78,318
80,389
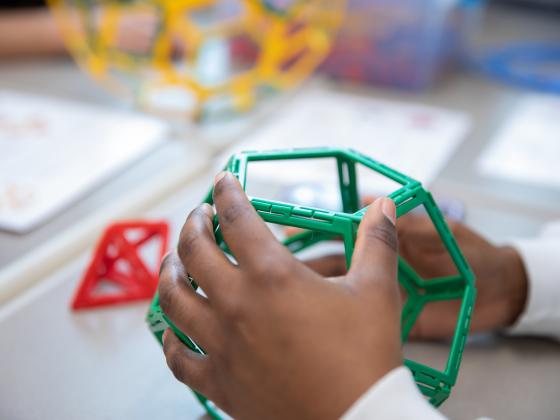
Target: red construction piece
x,y
118,265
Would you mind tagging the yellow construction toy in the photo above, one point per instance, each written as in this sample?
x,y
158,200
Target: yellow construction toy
x,y
198,55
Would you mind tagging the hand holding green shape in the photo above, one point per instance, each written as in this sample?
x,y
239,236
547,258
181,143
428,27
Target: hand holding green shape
x,y
278,335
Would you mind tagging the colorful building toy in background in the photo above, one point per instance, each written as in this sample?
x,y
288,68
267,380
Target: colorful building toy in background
x,y
198,56
323,225
402,43
125,264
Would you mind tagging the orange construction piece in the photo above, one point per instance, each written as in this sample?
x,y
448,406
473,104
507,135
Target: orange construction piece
x,y
118,272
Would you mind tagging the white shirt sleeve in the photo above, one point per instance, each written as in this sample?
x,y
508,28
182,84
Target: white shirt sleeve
x,y
541,257
393,397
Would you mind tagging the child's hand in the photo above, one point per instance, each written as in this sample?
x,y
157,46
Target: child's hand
x,y
500,277
281,340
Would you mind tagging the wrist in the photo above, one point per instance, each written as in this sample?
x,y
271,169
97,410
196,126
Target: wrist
x,y
350,388
516,285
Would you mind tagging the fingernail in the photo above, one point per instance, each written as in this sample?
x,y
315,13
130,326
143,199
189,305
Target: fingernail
x,y
164,336
389,210
219,177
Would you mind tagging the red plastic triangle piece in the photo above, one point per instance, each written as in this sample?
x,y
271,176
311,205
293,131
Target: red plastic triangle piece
x,y
117,262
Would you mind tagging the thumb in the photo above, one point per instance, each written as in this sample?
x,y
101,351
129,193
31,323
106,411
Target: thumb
x,y
375,255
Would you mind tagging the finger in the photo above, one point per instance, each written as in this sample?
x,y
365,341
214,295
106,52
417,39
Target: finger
x,y
290,231
244,231
188,367
421,246
375,253
412,227
201,256
420,228
437,320
328,265
367,200
187,310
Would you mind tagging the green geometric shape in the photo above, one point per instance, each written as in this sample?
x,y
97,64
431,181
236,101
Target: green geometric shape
x,y
321,225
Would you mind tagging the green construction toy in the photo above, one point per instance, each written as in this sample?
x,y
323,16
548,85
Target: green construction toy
x,y
321,225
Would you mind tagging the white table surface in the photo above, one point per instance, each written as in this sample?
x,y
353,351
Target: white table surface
x,y
105,364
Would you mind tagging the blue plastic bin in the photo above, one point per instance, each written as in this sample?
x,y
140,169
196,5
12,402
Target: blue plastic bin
x,y
402,43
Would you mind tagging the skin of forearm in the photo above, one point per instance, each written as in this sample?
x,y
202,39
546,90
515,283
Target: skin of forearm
x,y
30,33
515,277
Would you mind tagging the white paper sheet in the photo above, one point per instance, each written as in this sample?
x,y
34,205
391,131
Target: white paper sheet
x,y
416,140
527,148
53,151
